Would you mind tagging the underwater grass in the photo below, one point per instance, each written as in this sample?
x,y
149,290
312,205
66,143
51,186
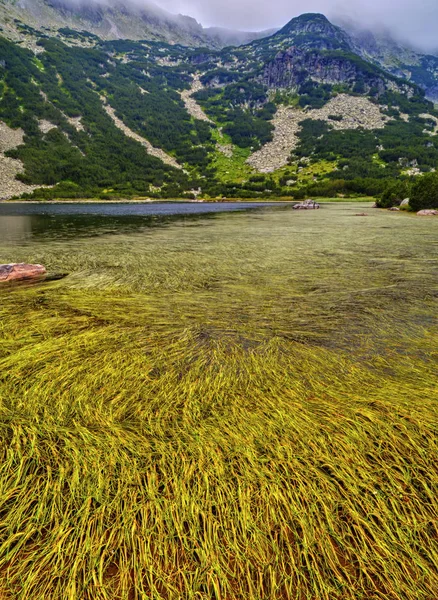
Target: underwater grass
x,y
238,408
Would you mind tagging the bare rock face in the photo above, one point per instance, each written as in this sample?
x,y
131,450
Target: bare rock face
x,y
288,69
306,205
21,272
427,213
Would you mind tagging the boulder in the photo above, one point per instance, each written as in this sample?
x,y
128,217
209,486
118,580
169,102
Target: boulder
x,y
394,208
21,272
427,213
306,205
405,202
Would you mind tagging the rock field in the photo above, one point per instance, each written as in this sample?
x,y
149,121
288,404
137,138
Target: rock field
x,y
197,112
45,126
157,152
226,149
76,122
434,120
191,105
355,112
10,167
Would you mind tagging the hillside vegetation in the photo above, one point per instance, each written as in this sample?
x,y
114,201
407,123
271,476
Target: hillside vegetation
x,y
124,118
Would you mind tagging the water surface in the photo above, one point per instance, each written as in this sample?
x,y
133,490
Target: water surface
x,y
26,222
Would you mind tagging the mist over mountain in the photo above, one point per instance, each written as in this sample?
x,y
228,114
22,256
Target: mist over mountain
x,y
195,23
414,23
115,19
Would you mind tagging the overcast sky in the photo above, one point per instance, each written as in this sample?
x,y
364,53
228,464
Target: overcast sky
x,y
413,20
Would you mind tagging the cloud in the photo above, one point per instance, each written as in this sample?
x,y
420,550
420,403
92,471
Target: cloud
x,y
416,22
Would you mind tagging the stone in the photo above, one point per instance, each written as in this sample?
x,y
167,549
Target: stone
x,y
405,202
427,213
226,149
21,272
394,208
361,214
306,205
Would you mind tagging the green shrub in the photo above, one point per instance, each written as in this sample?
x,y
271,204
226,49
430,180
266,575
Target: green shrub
x,y
425,192
394,194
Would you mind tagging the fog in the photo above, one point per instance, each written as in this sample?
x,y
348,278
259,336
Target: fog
x,y
414,22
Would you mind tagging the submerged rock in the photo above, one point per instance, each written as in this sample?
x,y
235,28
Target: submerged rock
x,y
21,272
427,213
306,205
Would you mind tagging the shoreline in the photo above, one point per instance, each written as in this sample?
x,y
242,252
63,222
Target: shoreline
x,y
184,201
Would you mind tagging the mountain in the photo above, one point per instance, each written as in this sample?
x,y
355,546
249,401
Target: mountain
x,y
396,57
314,31
113,19
310,45
306,110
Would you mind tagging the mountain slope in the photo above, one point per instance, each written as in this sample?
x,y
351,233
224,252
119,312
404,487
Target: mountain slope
x,y
295,113
113,19
399,59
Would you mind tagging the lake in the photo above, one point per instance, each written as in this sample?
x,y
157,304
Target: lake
x,y
233,405
27,221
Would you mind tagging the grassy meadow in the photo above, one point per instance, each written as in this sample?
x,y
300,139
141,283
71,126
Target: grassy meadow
x,y
241,407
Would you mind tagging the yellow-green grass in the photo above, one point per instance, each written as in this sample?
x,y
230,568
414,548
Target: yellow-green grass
x,y
306,175
231,168
237,408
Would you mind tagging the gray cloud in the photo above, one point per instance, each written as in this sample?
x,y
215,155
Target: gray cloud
x,y
416,22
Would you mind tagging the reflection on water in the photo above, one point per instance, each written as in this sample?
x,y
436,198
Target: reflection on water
x,y
19,229
21,222
13,229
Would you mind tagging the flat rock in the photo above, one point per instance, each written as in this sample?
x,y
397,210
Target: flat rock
x,y
394,208
427,213
21,272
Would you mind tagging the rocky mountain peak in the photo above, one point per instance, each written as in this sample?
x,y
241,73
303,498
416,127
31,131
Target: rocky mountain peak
x,y
309,23
315,30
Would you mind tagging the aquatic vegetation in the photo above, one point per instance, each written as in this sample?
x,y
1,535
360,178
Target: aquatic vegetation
x,y
237,408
